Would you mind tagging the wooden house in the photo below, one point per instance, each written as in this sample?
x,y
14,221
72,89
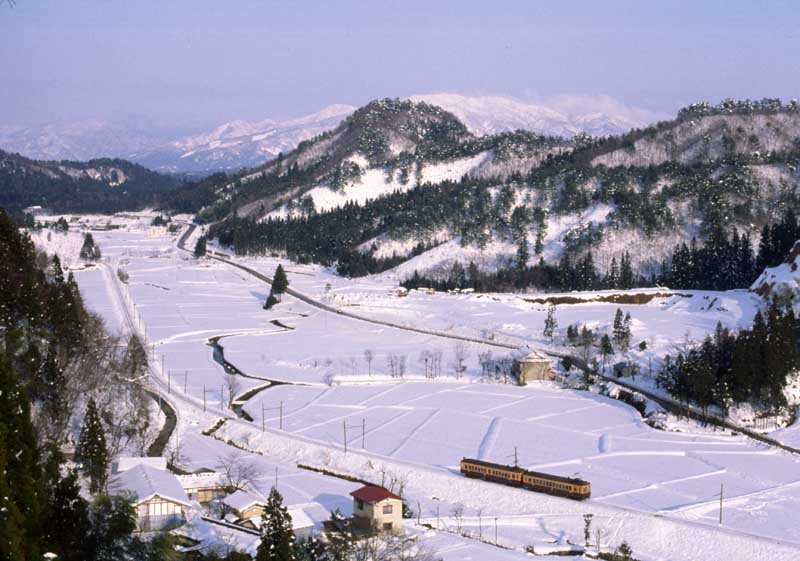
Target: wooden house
x,y
377,509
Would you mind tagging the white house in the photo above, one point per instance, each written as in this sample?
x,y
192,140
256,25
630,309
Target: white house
x,y
157,496
375,508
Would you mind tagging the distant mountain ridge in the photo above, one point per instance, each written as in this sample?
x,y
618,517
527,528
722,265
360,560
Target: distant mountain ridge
x,y
100,185
242,144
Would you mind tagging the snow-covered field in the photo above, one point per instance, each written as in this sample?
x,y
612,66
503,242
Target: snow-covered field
x,y
420,429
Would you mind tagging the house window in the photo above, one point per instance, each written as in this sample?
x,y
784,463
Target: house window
x,y
387,509
359,504
387,526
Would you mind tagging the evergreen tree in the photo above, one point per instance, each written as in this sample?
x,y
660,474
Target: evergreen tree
x,y
22,496
612,279
89,251
619,328
91,451
200,247
67,523
523,254
550,322
279,282
277,536
606,349
271,301
626,280
112,520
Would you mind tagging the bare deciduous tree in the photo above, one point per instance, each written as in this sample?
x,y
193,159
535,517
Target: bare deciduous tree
x,y
237,472
233,384
369,356
426,359
460,354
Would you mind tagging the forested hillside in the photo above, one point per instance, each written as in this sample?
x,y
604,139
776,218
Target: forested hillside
x,y
705,188
104,185
58,370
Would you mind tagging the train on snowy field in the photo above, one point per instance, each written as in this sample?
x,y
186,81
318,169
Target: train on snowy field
x,y
570,487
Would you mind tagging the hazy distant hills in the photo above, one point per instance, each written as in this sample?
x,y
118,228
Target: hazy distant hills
x,y
244,144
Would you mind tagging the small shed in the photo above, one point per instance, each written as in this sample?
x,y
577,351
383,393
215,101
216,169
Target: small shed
x,y
158,498
376,508
244,505
534,367
203,485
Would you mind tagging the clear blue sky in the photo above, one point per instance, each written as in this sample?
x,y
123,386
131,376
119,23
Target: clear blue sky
x,y
206,61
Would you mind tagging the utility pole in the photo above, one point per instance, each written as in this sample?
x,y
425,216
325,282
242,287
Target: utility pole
x,y
162,365
363,432
495,530
185,380
169,381
280,417
720,504
516,458
262,417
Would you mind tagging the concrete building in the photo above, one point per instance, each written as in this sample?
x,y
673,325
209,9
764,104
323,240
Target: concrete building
x,y
534,367
158,498
377,509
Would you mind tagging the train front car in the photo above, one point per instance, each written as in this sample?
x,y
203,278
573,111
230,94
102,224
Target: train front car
x,y
569,487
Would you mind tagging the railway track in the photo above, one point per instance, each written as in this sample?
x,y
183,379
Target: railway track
x,y
443,477
668,405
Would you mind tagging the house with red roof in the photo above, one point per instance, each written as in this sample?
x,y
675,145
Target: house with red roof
x,y
376,508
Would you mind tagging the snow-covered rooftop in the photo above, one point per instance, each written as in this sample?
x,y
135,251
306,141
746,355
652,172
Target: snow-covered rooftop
x,y
124,463
201,480
242,500
145,482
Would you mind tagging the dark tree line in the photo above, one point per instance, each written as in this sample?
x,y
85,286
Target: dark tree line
x,y
566,276
750,366
721,263
777,240
25,182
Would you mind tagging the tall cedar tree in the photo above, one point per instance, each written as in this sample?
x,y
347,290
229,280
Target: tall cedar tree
x,y
279,282
200,247
92,452
550,322
89,251
277,536
22,496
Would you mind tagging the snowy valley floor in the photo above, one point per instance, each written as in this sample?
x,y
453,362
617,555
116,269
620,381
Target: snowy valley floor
x,y
416,430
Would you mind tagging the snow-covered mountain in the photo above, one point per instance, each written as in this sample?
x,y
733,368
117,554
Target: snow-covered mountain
x,y
82,140
239,144
560,116
243,144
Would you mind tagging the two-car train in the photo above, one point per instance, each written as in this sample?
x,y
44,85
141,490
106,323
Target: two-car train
x,y
569,487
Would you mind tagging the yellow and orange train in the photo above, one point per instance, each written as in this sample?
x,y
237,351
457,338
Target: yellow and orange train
x,y
569,487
